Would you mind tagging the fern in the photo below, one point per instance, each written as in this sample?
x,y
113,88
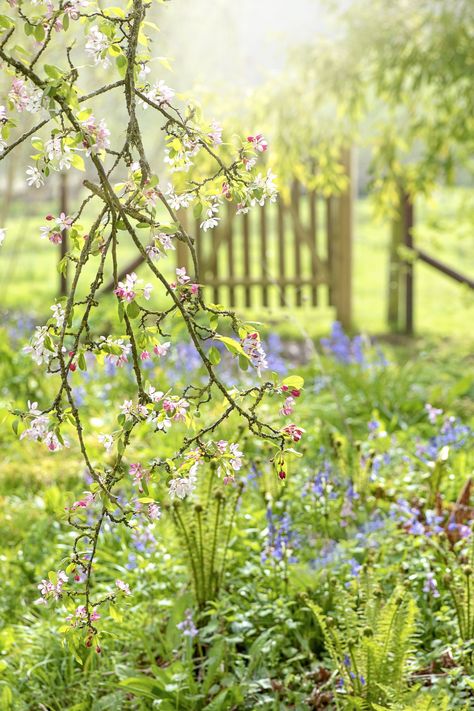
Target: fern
x,y
459,580
204,527
370,645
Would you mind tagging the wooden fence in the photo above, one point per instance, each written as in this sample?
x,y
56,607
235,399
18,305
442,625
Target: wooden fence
x,y
295,254
280,255
403,257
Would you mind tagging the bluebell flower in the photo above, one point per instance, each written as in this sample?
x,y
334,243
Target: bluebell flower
x,y
187,626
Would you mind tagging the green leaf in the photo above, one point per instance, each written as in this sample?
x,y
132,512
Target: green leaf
x,y
294,381
39,33
77,162
115,614
5,22
169,229
243,362
114,12
232,345
84,114
214,355
121,63
37,143
115,50
81,361
52,71
133,309
148,688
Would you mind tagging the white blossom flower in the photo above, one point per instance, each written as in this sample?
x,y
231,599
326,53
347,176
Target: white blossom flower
x,y
96,43
126,409
211,221
154,511
165,240
181,487
58,314
73,8
153,252
159,94
147,289
125,349
144,71
123,587
3,232
177,201
107,440
35,177
53,148
154,395
215,134
38,350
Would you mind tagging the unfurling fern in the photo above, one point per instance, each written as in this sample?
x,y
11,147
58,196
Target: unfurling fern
x,y
370,643
204,527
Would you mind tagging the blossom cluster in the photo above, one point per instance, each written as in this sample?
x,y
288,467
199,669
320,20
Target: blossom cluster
x,y
54,233
39,429
252,347
132,287
52,588
184,286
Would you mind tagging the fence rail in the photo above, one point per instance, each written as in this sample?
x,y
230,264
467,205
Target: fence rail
x,y
402,271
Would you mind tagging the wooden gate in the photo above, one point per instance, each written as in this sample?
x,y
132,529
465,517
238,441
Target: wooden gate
x,y
280,255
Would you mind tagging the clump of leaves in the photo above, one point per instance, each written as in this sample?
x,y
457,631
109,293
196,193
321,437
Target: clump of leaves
x,y
370,643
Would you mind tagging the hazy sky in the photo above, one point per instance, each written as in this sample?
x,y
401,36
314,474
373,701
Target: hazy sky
x,y
222,42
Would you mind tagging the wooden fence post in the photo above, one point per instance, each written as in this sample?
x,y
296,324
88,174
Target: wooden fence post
x,y
401,273
63,247
394,270
343,251
407,213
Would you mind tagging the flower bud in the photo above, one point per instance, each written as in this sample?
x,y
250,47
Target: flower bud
x,y
282,474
